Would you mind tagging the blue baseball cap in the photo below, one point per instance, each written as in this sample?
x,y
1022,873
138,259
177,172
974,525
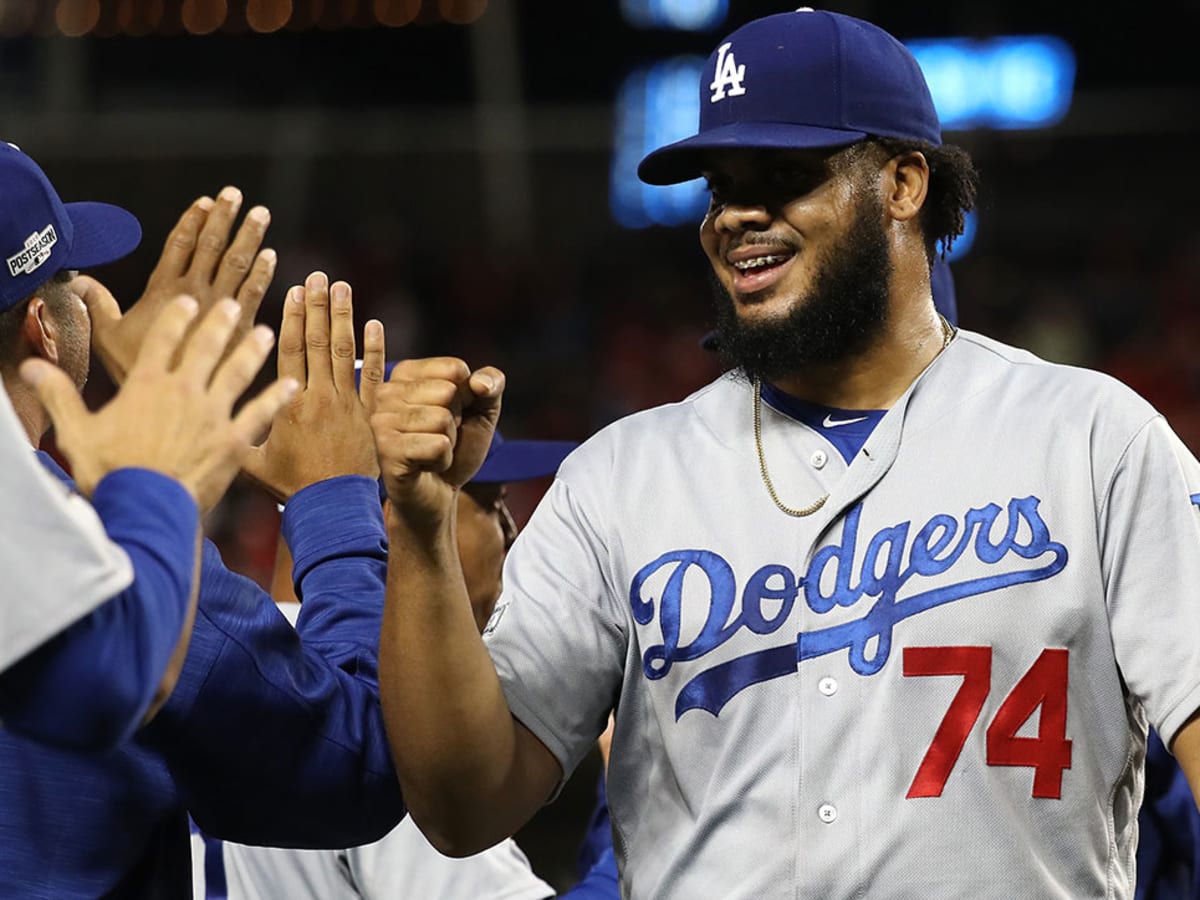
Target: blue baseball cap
x,y
40,235
808,78
521,460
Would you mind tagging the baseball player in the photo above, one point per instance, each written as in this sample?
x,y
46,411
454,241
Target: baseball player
x,y
883,611
121,574
402,864
97,680
269,736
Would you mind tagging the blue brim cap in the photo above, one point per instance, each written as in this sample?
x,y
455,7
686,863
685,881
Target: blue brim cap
x,y
104,233
41,236
684,160
521,460
801,80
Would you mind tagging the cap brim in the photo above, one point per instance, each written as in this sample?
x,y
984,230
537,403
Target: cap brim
x,y
103,233
521,460
684,160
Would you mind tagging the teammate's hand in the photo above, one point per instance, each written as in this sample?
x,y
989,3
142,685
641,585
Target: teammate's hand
x,y
198,259
173,419
433,424
325,430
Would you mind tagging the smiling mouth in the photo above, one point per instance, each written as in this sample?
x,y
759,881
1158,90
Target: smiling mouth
x,y
760,263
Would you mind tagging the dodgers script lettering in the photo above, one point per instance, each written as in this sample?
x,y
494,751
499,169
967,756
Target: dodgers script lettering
x,y
892,564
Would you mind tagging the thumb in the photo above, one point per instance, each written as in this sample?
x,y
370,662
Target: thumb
x,y
487,388
101,305
480,415
57,392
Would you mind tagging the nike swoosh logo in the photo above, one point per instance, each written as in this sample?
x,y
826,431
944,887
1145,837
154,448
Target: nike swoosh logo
x,y
831,422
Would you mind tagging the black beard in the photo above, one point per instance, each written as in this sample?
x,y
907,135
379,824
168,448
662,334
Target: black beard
x,y
845,311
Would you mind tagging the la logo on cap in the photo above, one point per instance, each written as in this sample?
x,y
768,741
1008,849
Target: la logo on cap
x,y
727,82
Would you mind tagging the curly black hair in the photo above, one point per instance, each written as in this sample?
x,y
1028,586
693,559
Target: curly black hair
x,y
953,189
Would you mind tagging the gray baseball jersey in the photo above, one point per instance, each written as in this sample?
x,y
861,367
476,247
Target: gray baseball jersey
x,y
58,563
403,864
936,686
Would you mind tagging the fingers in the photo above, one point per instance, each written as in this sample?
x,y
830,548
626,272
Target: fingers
x,y
234,264
242,366
449,368
102,306
250,295
402,453
207,345
214,236
58,393
291,357
341,337
373,364
164,336
316,329
181,242
256,416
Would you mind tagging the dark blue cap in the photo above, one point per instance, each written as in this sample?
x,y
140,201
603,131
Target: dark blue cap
x,y
521,460
801,79
40,235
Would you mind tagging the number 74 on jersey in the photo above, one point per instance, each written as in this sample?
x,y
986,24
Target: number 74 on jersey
x,y
1044,686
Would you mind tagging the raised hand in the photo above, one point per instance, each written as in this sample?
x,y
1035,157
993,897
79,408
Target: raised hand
x,y
172,418
325,430
433,424
199,260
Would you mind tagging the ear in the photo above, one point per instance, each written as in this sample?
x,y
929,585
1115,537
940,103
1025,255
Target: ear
x,y
40,331
908,185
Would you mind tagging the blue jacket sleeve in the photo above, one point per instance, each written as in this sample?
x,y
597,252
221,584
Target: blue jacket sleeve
x,y
601,882
89,687
597,861
275,736
1168,852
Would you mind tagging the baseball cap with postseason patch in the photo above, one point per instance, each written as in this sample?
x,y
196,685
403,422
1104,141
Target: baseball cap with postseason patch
x,y
808,78
40,235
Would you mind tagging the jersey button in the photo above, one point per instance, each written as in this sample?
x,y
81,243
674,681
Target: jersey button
x,y
827,686
827,813
819,459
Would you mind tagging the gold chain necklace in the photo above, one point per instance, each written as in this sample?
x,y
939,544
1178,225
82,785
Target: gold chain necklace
x,y
947,335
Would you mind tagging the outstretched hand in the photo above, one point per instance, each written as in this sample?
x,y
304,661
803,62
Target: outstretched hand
x,y
434,420
198,259
324,431
172,418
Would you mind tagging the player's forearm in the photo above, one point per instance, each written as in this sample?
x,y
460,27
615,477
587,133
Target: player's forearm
x,y
453,739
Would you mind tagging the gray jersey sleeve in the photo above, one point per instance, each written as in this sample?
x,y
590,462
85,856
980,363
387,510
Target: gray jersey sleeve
x,y
58,563
1150,544
559,635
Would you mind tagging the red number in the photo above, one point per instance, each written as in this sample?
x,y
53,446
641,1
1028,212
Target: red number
x,y
975,665
1044,685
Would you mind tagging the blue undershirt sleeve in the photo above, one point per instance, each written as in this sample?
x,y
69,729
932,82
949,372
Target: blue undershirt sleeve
x,y
275,736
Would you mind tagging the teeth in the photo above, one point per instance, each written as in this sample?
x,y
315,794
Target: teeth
x,y
758,262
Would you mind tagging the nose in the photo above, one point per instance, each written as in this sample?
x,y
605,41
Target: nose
x,y
734,217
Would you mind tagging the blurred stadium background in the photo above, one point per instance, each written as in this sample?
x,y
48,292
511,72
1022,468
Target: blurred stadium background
x,y
467,166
